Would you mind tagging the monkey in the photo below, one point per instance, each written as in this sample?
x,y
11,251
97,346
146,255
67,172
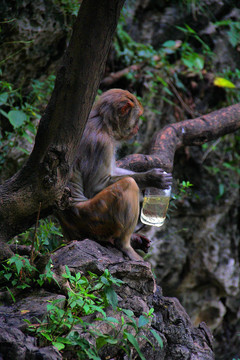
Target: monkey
x,y
105,198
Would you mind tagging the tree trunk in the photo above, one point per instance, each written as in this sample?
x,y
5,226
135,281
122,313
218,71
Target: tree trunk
x,y
41,182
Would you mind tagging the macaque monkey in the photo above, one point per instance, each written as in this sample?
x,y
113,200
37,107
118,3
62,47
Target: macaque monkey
x,y
105,199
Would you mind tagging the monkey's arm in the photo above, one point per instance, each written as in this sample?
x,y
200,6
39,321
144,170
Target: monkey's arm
x,y
76,187
152,178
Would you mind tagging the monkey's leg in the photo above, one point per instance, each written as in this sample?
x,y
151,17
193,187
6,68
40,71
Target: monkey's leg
x,y
110,215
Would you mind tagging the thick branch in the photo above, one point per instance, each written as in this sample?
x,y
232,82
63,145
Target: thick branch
x,y
189,132
114,77
78,78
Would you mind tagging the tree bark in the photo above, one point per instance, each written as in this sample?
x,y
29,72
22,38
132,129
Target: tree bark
x,y
44,176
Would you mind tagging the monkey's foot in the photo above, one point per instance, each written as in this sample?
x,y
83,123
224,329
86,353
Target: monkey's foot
x,y
131,254
140,242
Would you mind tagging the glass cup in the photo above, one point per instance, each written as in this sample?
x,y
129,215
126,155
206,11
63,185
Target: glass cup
x,y
155,205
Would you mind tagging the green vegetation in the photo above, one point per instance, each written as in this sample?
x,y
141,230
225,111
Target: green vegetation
x,y
68,7
228,81
66,324
228,168
18,273
23,113
163,68
184,191
47,236
233,32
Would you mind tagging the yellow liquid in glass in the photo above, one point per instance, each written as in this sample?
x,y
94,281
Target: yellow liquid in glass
x,y
154,210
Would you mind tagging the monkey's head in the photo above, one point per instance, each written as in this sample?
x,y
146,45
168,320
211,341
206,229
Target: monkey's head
x,y
120,111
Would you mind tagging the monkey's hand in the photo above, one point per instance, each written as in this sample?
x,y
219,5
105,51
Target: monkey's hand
x,y
151,178
158,178
65,200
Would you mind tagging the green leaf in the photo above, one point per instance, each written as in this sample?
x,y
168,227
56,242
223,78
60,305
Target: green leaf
x,y
28,138
7,276
17,118
23,150
104,280
32,128
105,339
111,297
199,63
221,190
233,33
12,296
78,275
19,265
162,81
98,286
3,98
112,341
100,342
169,43
190,29
222,23
128,312
151,311
48,337
59,346
4,113
221,82
142,321
228,166
111,319
193,61
134,342
157,337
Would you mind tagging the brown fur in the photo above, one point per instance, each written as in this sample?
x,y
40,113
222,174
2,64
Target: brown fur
x,y
105,199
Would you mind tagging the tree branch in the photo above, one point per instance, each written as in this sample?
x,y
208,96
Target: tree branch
x,y
189,132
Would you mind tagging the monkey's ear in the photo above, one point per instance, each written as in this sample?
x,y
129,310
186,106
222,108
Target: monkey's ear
x,y
126,106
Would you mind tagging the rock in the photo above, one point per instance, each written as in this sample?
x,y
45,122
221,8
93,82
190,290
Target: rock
x,y
31,307
14,344
37,39
181,340
139,293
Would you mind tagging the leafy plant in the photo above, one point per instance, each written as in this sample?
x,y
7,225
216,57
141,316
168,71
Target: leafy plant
x,y
65,328
47,237
233,32
70,7
228,167
183,190
194,61
22,112
228,80
18,273
122,336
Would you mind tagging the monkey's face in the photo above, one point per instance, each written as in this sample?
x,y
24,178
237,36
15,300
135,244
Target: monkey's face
x,y
120,111
129,118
